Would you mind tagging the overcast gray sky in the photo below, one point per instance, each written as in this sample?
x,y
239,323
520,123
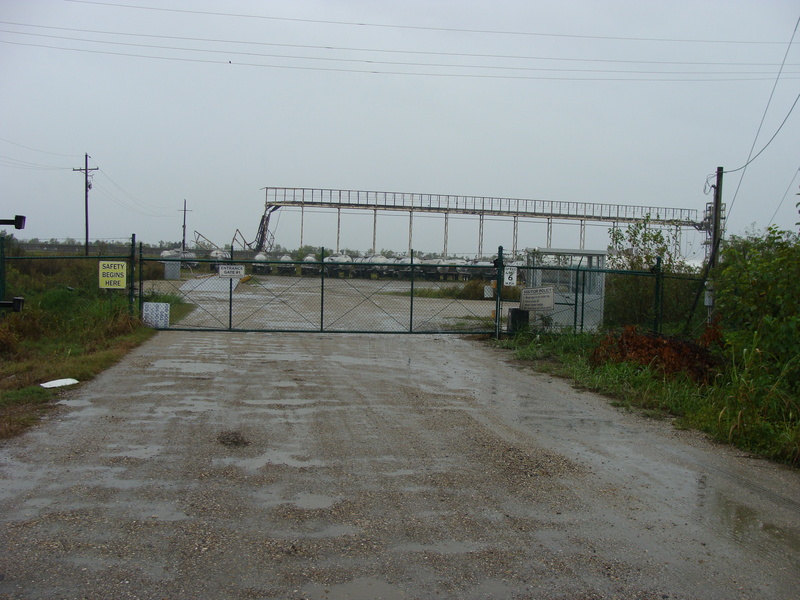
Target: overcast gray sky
x,y
622,102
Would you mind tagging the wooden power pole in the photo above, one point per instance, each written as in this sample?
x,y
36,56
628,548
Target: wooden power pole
x,y
716,224
87,186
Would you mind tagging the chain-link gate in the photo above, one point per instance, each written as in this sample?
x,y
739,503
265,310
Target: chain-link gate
x,y
318,296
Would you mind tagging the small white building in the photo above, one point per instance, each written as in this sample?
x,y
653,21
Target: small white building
x,y
579,289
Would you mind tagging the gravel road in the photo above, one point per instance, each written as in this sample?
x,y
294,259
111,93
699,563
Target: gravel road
x,y
286,466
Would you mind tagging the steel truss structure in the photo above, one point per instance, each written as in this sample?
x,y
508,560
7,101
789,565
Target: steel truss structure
x,y
481,206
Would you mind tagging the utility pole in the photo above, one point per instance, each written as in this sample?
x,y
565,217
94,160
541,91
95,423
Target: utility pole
x,y
716,226
87,186
183,245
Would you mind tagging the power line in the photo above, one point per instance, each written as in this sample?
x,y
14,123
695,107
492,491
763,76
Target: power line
x,y
763,117
786,193
24,164
144,205
667,79
415,27
36,150
388,63
387,50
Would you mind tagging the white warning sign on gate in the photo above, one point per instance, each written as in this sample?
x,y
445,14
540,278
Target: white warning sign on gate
x,y
537,299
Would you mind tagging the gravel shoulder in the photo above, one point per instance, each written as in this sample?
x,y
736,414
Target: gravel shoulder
x,y
288,466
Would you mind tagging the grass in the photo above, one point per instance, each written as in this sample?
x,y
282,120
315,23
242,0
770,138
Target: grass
x,y
63,332
742,405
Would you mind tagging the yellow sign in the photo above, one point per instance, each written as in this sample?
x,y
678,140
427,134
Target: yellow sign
x,y
113,275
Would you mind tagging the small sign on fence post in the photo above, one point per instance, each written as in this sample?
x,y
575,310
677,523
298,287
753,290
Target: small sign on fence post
x,y
226,271
510,276
113,275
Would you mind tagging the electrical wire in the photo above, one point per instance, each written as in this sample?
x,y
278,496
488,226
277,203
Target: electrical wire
x,y
667,79
372,62
743,168
35,149
151,208
412,27
16,163
786,193
389,50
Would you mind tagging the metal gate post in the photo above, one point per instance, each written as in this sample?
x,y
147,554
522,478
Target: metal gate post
x,y
658,307
322,289
2,267
583,298
141,278
230,297
132,275
575,304
411,308
498,305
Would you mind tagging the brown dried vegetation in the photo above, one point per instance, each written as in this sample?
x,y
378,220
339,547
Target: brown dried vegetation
x,y
669,355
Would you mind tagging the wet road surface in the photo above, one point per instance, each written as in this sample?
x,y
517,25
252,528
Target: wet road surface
x,y
235,465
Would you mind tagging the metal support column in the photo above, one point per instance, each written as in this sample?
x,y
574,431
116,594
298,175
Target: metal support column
x,y
480,236
549,233
583,234
514,238
374,231
338,227
410,232
302,217
446,222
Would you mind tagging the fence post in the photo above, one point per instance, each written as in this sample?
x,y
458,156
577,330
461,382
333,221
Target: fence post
x,y
2,267
411,309
498,307
322,289
583,299
132,275
141,278
657,299
230,296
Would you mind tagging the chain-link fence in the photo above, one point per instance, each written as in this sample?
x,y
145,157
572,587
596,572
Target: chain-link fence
x,y
376,295
52,280
594,299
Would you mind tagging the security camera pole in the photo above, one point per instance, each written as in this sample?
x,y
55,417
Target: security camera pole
x,y
17,303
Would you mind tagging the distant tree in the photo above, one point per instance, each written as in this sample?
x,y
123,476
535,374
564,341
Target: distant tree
x,y
629,298
637,247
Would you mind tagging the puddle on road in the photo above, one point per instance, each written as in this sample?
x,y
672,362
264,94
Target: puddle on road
x,y
314,501
189,366
399,473
442,547
272,457
366,588
282,402
746,525
143,452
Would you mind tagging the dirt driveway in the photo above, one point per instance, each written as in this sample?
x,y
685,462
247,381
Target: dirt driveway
x,y
214,466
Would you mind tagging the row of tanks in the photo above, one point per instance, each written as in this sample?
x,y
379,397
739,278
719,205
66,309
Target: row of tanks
x,y
343,265
189,258
377,265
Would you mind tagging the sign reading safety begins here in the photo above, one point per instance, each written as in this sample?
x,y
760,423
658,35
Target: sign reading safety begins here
x,y
113,274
